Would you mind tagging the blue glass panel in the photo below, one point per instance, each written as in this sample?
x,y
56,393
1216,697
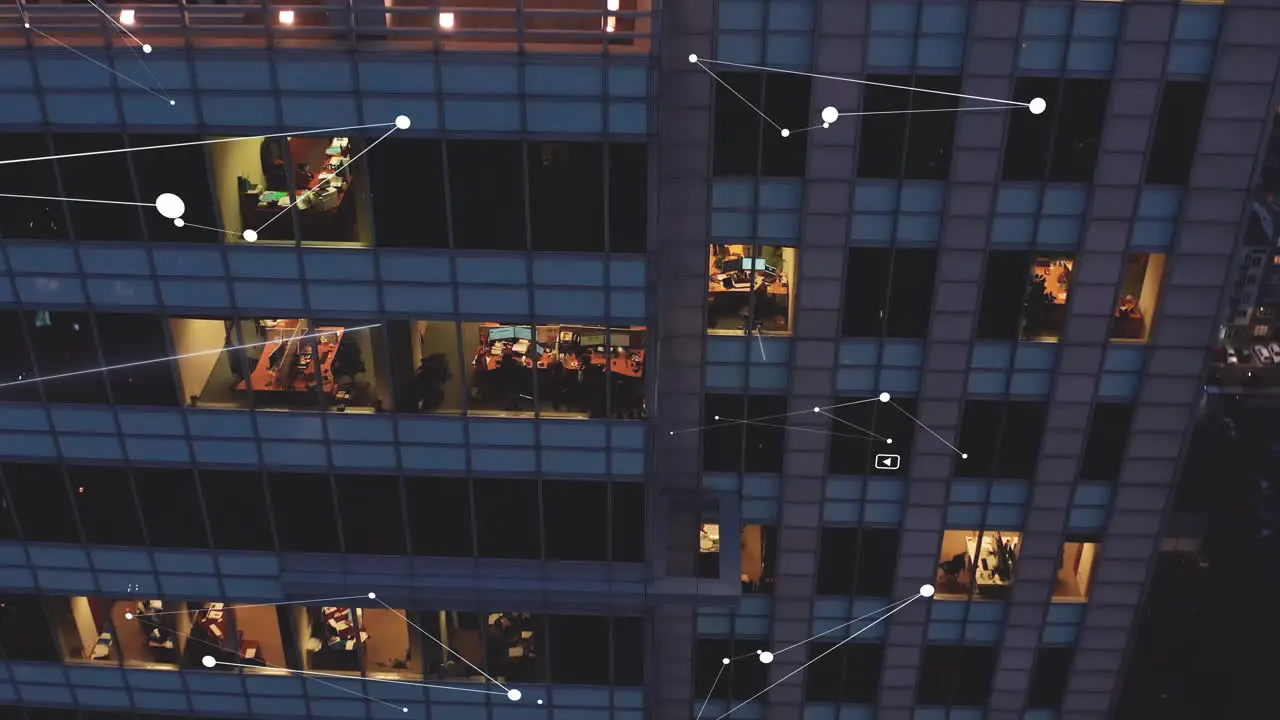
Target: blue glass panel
x,y
1190,59
146,422
242,73
1059,232
568,272
583,304
293,454
732,193
726,224
494,302
16,72
1087,519
906,381
876,229
899,353
1152,234
492,115
1097,20
1124,358
789,51
740,15
157,449
146,109
987,383
423,112
27,445
473,78
502,432
573,435
273,295
195,293
751,626
1059,635
343,297
576,462
778,225
1065,199
627,305
630,82
778,195
82,108
320,112
741,47
982,633
315,73
88,447
1046,20
563,79
1198,22
363,455
494,459
922,197
1065,613
1037,54
885,489
238,110
1036,356
1018,199
1005,516
415,74
856,380
1009,491
840,511
991,355
102,697
1160,201
789,15
226,451
761,377
63,71
964,515
919,229
882,514
1016,231
888,17
1092,494
859,352
19,108
895,52
943,18
629,118
1119,385
943,632
433,430
873,196
940,52
564,116
1034,384
1091,55
968,491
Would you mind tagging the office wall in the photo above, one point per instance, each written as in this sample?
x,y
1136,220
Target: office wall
x,y
85,627
231,160
192,335
1149,300
1084,569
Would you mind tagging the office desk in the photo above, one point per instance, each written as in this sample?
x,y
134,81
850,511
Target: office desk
x,y
213,620
293,378
629,363
988,577
777,287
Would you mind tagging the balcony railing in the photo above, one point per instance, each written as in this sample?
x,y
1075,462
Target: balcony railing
x,y
542,26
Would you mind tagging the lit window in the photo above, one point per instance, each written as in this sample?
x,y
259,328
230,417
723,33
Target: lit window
x,y
750,288
286,17
1075,570
1045,306
127,16
1139,295
978,563
446,21
756,542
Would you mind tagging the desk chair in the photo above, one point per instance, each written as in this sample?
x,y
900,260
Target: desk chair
x,y
953,567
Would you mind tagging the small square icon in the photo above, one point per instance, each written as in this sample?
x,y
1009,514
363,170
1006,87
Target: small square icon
x,y
888,462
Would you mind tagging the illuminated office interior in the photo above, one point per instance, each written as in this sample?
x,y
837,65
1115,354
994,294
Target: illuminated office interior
x,y
1045,307
1140,283
1075,570
750,288
756,543
977,563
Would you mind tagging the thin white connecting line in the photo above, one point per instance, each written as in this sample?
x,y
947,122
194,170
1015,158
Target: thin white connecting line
x,y
232,233
183,356
83,200
113,71
926,427
824,633
369,679
274,604
124,33
307,194
735,92
801,429
928,110
713,688
766,417
121,28
855,427
443,645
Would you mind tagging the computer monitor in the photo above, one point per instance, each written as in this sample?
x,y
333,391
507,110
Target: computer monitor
x,y
502,333
525,332
591,340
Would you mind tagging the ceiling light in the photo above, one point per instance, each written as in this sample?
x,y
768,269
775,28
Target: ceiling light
x,y
612,5
127,17
446,21
611,24
286,17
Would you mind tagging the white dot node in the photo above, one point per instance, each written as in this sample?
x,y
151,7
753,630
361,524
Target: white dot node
x,y
1037,106
179,222
128,616
513,695
817,409
884,397
759,651
403,122
717,417
826,125
172,103
830,114
766,657
404,709
373,595
926,590
146,48
673,432
539,701
724,661
208,661
251,236
692,58
170,205
26,25
786,132
964,456
889,440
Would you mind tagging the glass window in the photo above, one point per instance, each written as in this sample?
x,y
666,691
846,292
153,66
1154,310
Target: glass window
x,y
426,364
513,646
848,672
331,639
389,648
302,505
331,191
41,503
1139,296
1000,440
351,362
181,170
759,549
105,503
579,649
628,651
8,521
83,629
1075,569
627,504
459,654
978,563
1049,679
857,561
581,369
1078,132
152,633
739,680
1030,136
956,675
745,144
507,519
99,177
1177,134
440,516
1044,313
750,288
861,432
27,218
503,360
628,197
1106,442
889,292
209,378
410,203
16,365
25,632
251,182
787,101
575,514
566,195
62,343
487,194
904,133
258,638
236,502
128,342
170,506
370,507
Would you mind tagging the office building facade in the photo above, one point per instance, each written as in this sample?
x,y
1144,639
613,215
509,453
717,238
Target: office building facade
x,y
539,369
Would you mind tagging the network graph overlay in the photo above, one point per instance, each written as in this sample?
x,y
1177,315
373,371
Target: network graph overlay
x,y
218,654
767,656
831,114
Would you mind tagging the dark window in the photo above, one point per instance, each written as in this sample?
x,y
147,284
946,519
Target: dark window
x,y
1049,679
1004,292
1001,440
628,527
883,138
896,143
1078,135
104,501
486,190
766,434
15,356
787,103
99,177
127,341
628,651
170,506
956,675
8,521
41,503
857,561
931,127
744,142
507,522
302,504
439,511
30,219
579,649
1107,440
406,179
1030,137
24,630
628,197
236,504
182,171
736,126
740,680
576,517
845,673
861,429
566,195
370,507
722,433
62,343
1177,132
889,292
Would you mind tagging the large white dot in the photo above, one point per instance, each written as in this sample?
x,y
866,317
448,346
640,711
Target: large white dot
x,y
1037,106
884,397
926,590
128,616
692,58
889,440
170,205
179,222
250,236
146,47
208,661
513,695
786,132
724,661
964,456
373,595
830,114
766,657
173,102
403,122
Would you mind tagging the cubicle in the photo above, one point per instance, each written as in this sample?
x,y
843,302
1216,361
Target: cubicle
x,y
750,289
